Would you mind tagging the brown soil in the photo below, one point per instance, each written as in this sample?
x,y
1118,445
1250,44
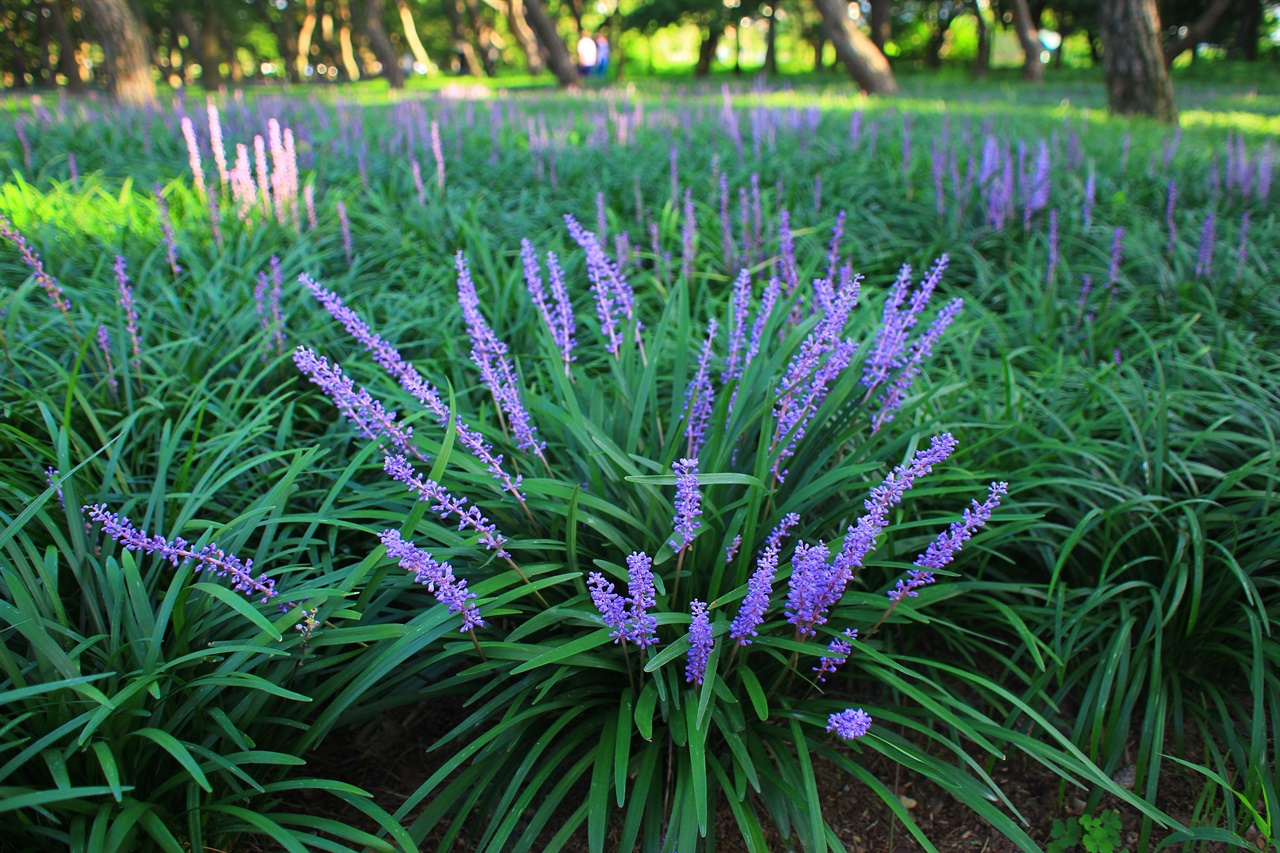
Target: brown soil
x,y
389,758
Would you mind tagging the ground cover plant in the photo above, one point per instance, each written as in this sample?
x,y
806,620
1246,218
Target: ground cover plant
x,y
641,410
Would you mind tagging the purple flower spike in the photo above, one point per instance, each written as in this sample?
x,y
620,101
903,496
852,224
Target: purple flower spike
x,y
412,381
130,310
738,331
700,396
178,552
943,549
759,588
700,643
837,653
104,344
496,368
732,551
357,406
688,503
436,576
861,537
850,723
641,627
446,504
609,603
32,260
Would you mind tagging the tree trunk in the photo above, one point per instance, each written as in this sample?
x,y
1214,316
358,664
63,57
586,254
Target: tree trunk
x,y
553,47
1065,29
381,44
483,37
524,37
67,65
1197,32
819,43
348,50
982,60
411,36
304,39
464,51
1137,78
860,57
287,44
771,44
125,45
707,51
210,50
1246,41
229,51
881,25
933,50
1032,67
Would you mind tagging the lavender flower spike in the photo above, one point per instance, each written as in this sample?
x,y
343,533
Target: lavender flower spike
x,y
837,653
435,576
700,643
641,628
688,503
942,550
446,504
700,396
130,310
179,552
609,603
850,723
759,588
357,406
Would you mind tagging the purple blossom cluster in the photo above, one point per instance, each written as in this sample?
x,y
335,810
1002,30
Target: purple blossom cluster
x,y
166,228
399,468
130,309
760,586
356,405
838,651
913,363
699,397
557,315
814,587
822,356
860,539
496,368
390,360
436,576
266,296
688,503
615,300
32,259
700,643
104,345
629,617
850,723
178,552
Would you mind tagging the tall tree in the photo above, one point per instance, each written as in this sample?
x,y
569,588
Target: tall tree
x,y
553,47
881,23
982,59
1137,79
210,49
858,54
309,20
771,43
124,42
524,37
1029,39
67,65
381,44
410,27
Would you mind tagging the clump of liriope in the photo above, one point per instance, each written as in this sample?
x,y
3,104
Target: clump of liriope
x,y
702,683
